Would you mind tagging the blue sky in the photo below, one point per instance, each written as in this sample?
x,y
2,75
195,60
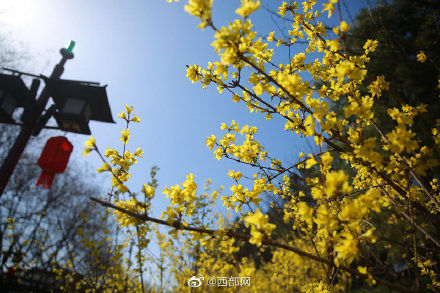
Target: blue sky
x,y
140,49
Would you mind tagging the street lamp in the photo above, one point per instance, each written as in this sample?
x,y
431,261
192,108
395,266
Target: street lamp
x,y
78,103
74,116
13,94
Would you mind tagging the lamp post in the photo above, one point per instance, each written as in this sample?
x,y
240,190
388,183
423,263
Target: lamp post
x,y
72,110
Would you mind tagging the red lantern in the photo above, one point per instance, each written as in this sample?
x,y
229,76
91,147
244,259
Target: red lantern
x,y
54,159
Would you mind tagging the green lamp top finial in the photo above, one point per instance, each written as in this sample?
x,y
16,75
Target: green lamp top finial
x,y
70,47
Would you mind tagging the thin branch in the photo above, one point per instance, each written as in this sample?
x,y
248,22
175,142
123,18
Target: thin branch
x,y
410,169
436,242
245,237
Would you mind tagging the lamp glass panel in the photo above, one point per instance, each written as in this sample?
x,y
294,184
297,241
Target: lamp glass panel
x,y
87,112
70,125
73,106
8,104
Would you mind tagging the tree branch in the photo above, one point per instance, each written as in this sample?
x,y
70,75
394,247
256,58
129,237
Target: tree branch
x,y
245,237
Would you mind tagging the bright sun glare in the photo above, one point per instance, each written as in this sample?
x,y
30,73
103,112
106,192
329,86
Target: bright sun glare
x,y
20,16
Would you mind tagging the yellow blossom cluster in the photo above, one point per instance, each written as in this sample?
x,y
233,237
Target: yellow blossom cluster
x,y
260,226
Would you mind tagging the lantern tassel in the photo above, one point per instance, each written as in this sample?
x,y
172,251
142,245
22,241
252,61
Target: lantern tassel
x,y
46,179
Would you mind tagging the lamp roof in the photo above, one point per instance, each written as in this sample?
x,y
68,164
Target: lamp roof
x,y
95,96
14,85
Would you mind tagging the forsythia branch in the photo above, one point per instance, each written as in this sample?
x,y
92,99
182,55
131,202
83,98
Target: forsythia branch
x,y
245,237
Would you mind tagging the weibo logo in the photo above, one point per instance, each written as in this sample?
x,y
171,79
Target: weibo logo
x,y
195,282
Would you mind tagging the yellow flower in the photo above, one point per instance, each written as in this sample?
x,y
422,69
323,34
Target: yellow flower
x,y
109,152
361,109
234,175
362,270
370,46
344,27
201,9
148,190
125,135
259,224
326,158
377,86
283,9
210,141
193,73
401,139
333,45
90,143
105,167
347,68
129,109
90,146
306,213
122,115
421,57
218,153
336,181
347,249
311,162
270,37
309,125
247,7
86,151
329,7
138,152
